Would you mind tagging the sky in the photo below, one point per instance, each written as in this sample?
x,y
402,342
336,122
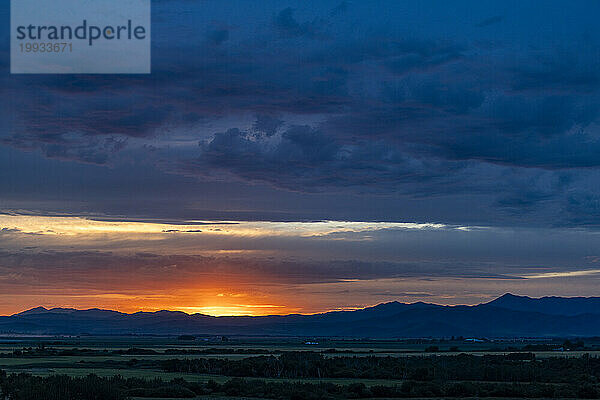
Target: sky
x,y
306,156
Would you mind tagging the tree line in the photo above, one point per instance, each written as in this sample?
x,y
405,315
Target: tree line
x,y
92,387
514,367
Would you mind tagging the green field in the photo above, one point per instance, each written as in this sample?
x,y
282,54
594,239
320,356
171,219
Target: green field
x,y
144,357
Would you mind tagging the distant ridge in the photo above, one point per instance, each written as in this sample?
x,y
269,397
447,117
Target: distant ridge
x,y
507,316
549,305
36,310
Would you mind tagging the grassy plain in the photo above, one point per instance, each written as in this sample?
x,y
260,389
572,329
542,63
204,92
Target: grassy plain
x,y
131,356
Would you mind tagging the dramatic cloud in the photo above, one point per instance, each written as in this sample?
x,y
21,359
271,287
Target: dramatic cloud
x,y
285,267
461,115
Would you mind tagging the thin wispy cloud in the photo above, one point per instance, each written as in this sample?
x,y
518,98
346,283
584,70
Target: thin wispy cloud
x,y
564,274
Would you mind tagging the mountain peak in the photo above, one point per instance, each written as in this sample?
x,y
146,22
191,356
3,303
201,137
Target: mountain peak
x,y
509,295
509,298
548,305
35,310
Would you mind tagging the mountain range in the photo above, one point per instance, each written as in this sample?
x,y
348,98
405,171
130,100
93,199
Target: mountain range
x,y
506,316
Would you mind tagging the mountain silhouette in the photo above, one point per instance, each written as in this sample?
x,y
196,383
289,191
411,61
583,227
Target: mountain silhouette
x,y
549,305
506,316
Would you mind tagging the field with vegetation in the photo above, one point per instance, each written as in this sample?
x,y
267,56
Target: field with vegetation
x,y
137,367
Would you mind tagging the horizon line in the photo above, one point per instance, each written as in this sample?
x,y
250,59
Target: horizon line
x,y
283,315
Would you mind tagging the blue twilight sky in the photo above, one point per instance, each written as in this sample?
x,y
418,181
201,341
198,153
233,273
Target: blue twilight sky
x,y
482,117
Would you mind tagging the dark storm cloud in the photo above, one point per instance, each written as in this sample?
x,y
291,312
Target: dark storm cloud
x,y
149,268
267,125
307,159
583,207
70,147
345,97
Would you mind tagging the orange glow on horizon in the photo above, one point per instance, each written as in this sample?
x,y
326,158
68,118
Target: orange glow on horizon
x,y
238,310
197,300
